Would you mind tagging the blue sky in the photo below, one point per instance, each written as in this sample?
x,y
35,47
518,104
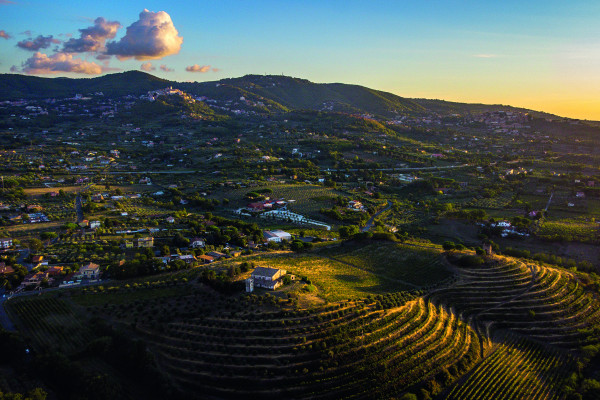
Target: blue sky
x,y
540,55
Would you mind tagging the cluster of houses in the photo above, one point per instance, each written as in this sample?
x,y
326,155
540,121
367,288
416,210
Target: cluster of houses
x,y
87,273
508,229
266,205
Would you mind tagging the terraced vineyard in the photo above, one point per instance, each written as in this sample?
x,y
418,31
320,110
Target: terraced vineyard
x,y
348,350
503,330
517,369
542,303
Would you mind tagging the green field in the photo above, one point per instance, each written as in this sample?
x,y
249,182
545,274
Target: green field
x,y
414,264
354,271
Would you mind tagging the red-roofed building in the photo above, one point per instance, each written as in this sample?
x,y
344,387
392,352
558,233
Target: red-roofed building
x,y
5,269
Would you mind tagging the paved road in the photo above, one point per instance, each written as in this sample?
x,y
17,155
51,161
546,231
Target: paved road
x,y
369,224
549,201
402,169
79,208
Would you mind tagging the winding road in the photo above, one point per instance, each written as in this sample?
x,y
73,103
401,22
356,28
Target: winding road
x,y
369,223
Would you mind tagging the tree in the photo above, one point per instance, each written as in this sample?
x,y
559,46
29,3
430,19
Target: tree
x,y
348,231
35,245
297,246
448,245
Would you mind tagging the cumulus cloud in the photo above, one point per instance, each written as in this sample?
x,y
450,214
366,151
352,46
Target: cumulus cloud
x,y
40,63
198,68
147,66
164,68
153,36
92,38
4,35
40,42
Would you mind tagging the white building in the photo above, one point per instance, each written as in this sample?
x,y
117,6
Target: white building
x,y
268,278
277,236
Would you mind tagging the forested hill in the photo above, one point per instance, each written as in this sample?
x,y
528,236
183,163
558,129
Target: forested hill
x,y
279,92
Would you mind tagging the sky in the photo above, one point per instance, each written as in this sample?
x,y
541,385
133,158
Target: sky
x,y
541,55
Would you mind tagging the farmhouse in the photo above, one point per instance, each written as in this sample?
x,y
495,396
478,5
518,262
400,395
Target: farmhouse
x,y
268,278
5,243
276,236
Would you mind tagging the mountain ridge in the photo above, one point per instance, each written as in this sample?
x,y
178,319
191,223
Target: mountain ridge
x,y
282,93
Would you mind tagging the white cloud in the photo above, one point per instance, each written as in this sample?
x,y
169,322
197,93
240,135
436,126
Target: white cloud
x,y
153,36
40,64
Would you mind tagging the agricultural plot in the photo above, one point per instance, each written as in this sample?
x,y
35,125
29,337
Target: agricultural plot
x,y
335,280
497,202
541,303
517,369
415,265
136,207
49,323
328,353
569,231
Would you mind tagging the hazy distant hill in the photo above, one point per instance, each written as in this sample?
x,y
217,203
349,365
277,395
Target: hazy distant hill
x,y
279,93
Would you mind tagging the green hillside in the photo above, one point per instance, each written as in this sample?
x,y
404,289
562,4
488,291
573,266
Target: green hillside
x,y
269,93
13,86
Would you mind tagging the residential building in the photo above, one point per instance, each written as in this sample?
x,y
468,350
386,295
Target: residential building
x,y
268,278
5,243
5,269
90,271
196,242
206,259
144,242
54,271
215,254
